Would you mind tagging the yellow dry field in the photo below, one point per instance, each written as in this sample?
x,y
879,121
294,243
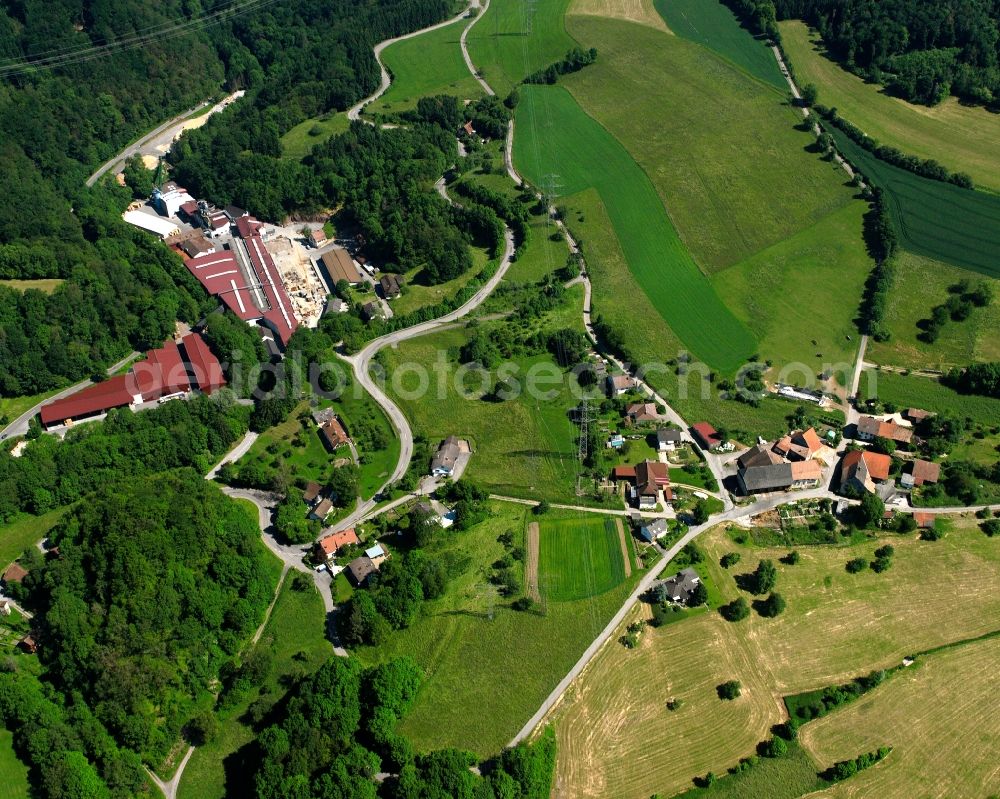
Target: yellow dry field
x,y
963,138
616,736
942,720
839,625
640,11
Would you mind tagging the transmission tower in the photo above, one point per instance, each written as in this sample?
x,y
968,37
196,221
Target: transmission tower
x,y
584,419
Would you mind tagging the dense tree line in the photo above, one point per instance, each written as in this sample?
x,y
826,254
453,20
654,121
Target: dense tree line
x,y
978,378
575,60
880,236
338,732
157,582
51,473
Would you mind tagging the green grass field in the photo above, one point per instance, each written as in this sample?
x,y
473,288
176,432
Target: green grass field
x,y
963,138
921,284
25,532
298,142
714,26
721,149
787,777
517,37
426,65
934,219
46,285
580,557
294,641
13,773
417,295
911,391
487,667
555,137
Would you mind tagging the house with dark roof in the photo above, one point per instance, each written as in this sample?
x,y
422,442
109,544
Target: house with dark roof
x,y
197,245
668,439
653,529
862,471
371,311
444,460
759,455
312,492
916,415
360,569
765,478
918,472
706,435
321,510
626,474
678,587
391,286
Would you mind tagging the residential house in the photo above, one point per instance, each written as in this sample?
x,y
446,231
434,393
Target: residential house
x,y
759,455
916,415
642,412
377,555
15,574
870,428
619,385
321,510
919,472
707,436
317,237
679,587
360,569
328,546
652,477
445,459
802,445
652,530
333,434
311,495
372,311
468,129
668,439
862,470
806,474
391,286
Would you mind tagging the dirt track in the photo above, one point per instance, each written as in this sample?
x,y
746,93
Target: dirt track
x,y
624,545
531,563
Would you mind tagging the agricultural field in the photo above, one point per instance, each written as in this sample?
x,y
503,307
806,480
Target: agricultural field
x,y
911,391
489,667
45,284
963,138
777,293
552,132
939,716
714,26
298,142
25,532
293,643
640,11
581,556
934,219
524,447
423,66
13,773
515,38
722,150
921,284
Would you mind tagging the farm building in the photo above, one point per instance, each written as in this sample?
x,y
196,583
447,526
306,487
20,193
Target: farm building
x,y
916,415
919,472
765,477
652,477
706,435
759,455
339,265
862,471
870,428
801,445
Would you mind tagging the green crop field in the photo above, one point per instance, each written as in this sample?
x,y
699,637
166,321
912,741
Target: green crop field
x,y
713,25
580,557
911,391
922,283
426,65
963,138
556,138
487,667
517,37
934,219
721,149
298,142
13,773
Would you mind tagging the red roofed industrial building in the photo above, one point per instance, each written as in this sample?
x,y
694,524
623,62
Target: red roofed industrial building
x,y
166,372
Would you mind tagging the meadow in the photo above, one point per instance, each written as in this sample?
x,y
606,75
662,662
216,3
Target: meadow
x,y
939,716
13,773
46,284
934,219
488,667
963,138
641,11
515,38
417,294
714,26
25,532
294,644
558,144
911,391
921,284
299,141
423,66
580,557
721,149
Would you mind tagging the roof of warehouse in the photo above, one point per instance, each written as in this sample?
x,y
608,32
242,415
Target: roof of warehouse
x,y
220,275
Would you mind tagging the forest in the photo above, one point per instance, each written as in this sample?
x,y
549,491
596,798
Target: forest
x,y
151,586
921,50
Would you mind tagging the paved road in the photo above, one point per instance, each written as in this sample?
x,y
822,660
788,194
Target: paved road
x,y
169,788
20,425
354,112
465,50
237,452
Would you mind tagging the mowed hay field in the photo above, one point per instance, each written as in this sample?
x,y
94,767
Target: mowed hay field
x,y
934,219
558,144
580,556
721,148
13,773
921,284
839,625
641,11
713,25
517,37
963,138
616,737
426,65
941,720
